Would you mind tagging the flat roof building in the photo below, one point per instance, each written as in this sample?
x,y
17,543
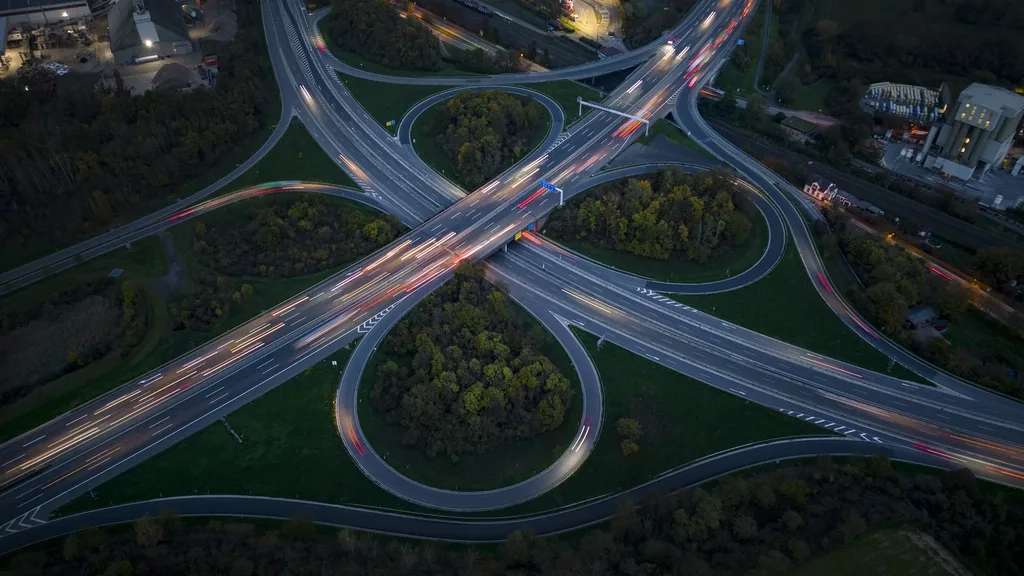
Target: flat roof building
x,y
978,131
144,30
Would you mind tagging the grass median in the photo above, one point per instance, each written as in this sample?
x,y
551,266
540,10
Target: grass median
x,y
296,156
682,419
785,306
673,134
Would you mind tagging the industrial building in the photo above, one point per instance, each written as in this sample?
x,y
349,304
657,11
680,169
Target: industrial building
x,y
145,30
977,133
19,15
907,101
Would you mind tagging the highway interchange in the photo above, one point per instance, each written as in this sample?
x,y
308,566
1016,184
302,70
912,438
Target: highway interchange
x,y
953,424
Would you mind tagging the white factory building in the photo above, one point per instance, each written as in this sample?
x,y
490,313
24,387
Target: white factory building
x,y
977,133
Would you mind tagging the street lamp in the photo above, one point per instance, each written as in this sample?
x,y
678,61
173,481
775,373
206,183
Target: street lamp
x,y
149,43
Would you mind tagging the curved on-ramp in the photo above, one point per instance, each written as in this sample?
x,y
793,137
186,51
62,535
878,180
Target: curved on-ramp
x,y
381,473
400,523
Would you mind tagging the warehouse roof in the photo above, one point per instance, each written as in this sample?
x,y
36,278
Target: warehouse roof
x,y
166,16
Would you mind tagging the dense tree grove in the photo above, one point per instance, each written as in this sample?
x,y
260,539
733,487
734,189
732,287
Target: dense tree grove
x,y
291,235
74,162
694,217
486,132
895,281
374,30
639,26
68,331
467,373
761,525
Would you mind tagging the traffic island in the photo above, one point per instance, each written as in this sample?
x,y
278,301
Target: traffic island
x,y
668,226
469,392
472,136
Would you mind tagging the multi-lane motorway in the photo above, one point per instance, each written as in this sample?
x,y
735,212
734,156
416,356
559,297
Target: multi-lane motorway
x,y
954,422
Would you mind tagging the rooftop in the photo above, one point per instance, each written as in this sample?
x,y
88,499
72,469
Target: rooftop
x,y
978,104
165,15
799,124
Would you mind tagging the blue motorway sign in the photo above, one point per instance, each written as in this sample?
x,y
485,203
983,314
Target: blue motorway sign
x,y
548,185
531,226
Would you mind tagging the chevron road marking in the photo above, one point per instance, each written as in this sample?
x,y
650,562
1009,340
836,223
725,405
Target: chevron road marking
x,y
826,424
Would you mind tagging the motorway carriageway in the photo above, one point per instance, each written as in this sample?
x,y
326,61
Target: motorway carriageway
x,y
88,444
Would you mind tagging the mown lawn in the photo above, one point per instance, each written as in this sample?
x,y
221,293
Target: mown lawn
x,y
785,305
682,420
290,448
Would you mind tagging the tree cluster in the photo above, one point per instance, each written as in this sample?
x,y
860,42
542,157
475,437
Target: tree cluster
x,y
694,217
291,235
761,525
374,30
74,161
485,132
208,299
639,26
1000,267
895,281
630,432
68,331
466,371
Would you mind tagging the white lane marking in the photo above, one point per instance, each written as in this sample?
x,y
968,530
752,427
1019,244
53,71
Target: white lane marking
x,y
75,420
838,428
742,393
979,426
25,493
155,424
14,460
271,368
157,433
214,391
214,401
652,357
317,296
264,364
31,442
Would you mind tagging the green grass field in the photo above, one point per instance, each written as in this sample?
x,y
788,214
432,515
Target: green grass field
x,y
357,61
673,134
786,306
882,553
682,419
386,102
290,448
735,260
565,93
812,96
424,135
502,466
296,156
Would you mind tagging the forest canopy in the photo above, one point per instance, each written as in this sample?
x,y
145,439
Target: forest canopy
x,y
484,133
672,213
465,371
374,30
75,162
291,235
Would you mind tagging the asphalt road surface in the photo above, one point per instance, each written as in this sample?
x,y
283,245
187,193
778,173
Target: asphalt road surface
x,y
955,424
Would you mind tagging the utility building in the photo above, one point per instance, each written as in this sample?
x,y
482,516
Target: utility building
x,y
145,30
978,131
